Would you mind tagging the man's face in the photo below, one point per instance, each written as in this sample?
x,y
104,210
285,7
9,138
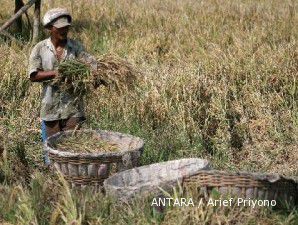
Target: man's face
x,y
59,33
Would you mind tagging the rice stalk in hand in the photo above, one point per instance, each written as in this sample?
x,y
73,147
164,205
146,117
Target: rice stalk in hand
x,y
113,72
116,73
74,77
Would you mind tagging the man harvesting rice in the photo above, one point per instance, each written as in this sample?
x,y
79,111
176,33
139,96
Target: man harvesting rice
x,y
60,109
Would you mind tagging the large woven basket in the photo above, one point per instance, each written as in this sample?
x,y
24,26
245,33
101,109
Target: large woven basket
x,y
83,169
147,180
244,185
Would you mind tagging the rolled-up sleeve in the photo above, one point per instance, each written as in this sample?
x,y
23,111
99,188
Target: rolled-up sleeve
x,y
86,57
35,63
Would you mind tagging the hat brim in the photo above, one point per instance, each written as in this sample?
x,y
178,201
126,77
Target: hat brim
x,y
62,24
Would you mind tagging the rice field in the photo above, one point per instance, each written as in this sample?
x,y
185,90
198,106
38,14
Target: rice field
x,y
218,80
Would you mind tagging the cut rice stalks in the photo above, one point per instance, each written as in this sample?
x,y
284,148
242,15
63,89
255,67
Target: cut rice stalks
x,y
74,77
85,143
116,73
113,72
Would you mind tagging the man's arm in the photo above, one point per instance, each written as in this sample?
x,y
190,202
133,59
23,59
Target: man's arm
x,y
89,59
35,69
40,76
92,62
83,56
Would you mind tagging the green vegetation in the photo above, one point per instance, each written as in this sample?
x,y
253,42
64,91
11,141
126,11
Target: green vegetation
x,y
219,81
73,77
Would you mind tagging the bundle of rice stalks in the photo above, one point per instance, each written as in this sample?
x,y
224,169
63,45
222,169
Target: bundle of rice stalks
x,y
74,76
116,73
85,143
113,72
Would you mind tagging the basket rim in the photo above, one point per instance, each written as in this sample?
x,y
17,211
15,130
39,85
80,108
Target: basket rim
x,y
109,181
270,177
100,155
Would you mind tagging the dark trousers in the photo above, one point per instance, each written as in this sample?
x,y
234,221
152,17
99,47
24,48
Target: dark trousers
x,y
53,127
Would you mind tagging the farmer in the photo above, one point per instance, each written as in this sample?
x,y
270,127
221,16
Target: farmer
x,y
60,110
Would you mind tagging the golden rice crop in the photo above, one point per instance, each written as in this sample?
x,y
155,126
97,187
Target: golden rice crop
x,y
220,83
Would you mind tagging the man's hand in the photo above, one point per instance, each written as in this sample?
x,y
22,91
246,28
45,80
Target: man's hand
x,y
43,75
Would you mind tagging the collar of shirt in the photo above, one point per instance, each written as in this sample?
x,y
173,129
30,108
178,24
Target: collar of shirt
x,y
69,46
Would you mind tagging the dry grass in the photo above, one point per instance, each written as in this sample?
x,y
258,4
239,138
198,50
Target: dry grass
x,y
219,80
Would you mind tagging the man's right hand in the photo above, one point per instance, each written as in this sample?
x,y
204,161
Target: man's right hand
x,y
43,75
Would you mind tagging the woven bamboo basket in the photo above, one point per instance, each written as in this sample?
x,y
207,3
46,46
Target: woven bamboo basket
x,y
245,185
85,169
147,180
